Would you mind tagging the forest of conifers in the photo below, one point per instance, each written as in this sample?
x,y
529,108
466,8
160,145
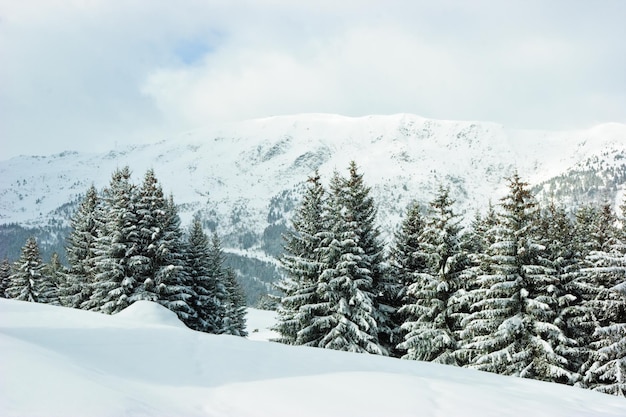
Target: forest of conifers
x,y
126,244
523,290
529,291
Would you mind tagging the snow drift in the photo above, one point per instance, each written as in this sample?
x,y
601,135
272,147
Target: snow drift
x,y
62,362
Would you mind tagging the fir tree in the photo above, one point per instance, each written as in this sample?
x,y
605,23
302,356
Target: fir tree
x,y
432,311
511,328
5,274
479,237
476,241
558,235
235,308
218,271
116,244
406,263
150,209
172,284
606,369
301,262
348,288
204,265
80,252
56,274
27,282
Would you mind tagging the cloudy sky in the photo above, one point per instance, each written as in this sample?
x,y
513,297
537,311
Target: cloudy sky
x,y
87,74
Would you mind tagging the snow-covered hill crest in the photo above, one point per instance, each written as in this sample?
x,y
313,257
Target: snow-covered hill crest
x,y
246,177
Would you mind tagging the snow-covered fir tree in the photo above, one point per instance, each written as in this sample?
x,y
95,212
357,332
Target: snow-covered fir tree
x,y
557,232
5,274
56,273
406,262
432,311
302,265
116,243
80,254
171,280
606,368
205,272
150,209
511,329
27,281
364,210
352,260
479,236
235,308
476,239
221,287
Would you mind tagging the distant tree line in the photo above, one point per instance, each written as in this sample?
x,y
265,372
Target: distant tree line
x,y
126,244
523,290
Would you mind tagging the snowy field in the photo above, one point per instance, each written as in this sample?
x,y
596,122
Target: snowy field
x,y
143,362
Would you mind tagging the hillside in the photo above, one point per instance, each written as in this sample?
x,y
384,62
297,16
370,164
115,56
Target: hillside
x,y
245,178
143,362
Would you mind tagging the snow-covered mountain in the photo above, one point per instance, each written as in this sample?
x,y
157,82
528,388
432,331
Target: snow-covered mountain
x,y
245,178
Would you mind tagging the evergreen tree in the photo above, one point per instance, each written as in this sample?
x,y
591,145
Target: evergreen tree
x,y
406,263
606,368
432,323
511,329
479,237
55,273
558,235
204,265
301,262
80,248
115,245
235,308
352,257
476,241
150,210
5,274
27,282
172,283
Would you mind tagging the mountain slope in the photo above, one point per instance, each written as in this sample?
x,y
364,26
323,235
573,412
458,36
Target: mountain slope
x,y
245,178
142,362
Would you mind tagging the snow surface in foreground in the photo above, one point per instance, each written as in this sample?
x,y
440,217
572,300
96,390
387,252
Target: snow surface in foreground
x,y
142,362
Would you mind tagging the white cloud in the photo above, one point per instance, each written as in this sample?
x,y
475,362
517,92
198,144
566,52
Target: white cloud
x,y
105,71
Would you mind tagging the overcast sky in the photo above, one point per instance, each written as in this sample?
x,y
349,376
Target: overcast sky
x,y
87,74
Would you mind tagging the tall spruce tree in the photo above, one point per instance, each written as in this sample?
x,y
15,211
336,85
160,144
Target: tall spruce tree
x,y
557,232
5,274
512,328
406,263
593,230
79,249
301,262
606,369
214,292
432,324
56,273
117,242
172,283
476,241
150,209
208,314
349,285
27,281
235,308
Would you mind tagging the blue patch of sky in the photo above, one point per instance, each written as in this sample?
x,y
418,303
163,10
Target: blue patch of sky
x,y
191,51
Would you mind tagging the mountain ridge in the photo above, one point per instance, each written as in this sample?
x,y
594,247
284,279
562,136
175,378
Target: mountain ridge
x,y
246,178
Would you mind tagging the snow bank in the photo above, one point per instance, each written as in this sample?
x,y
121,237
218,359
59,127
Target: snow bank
x,y
64,362
149,313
